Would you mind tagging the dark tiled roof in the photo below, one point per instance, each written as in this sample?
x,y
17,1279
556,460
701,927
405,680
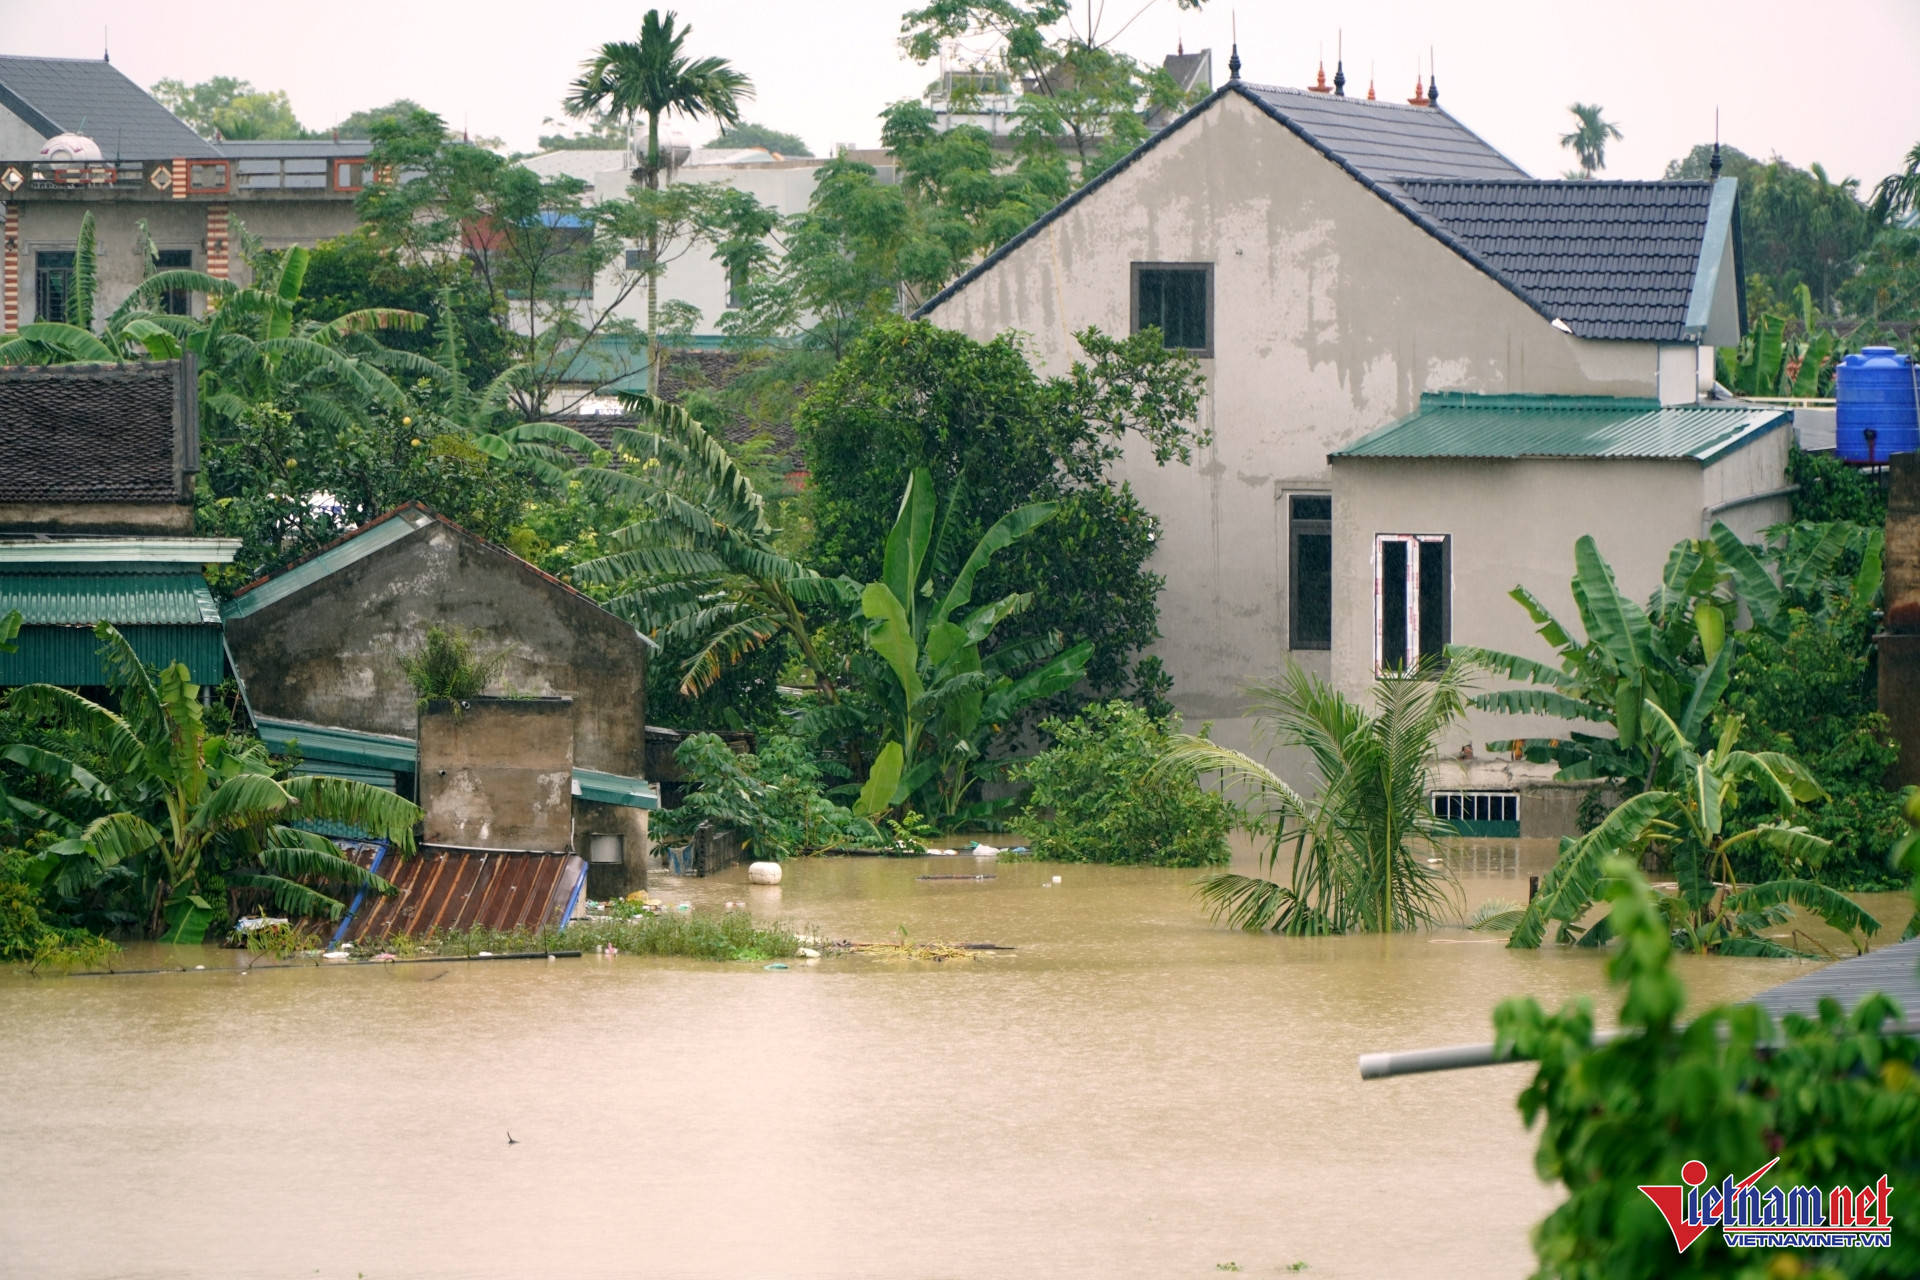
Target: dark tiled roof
x,y
1388,140
84,95
93,433
1612,259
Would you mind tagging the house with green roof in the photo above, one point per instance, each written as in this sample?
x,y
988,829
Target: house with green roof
x,y
1339,267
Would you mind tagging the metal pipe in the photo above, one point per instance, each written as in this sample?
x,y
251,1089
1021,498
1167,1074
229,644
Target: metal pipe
x,y
1378,1066
1708,513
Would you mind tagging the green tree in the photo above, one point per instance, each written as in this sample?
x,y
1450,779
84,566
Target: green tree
x,y
1884,289
945,705
748,134
1898,194
1358,848
1100,794
360,123
183,808
1798,226
224,107
911,395
653,77
1835,1098
1589,138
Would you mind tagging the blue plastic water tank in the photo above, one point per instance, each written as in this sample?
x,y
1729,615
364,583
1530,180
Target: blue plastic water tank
x,y
1874,403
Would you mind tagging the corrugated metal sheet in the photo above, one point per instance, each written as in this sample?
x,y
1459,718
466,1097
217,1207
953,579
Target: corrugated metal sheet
x,y
71,655
320,742
1890,969
78,597
612,788
446,891
1456,426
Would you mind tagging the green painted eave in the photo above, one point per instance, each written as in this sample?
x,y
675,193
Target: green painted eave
x,y
613,788
1454,425
382,533
328,745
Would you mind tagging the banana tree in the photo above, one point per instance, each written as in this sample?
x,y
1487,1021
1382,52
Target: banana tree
x,y
946,701
1674,654
1710,911
181,806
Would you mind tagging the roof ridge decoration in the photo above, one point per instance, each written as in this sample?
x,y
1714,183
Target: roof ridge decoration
x,y
1393,189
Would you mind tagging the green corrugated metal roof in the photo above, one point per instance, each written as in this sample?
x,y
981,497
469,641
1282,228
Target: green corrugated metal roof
x,y
1452,425
70,656
71,597
335,558
340,746
612,788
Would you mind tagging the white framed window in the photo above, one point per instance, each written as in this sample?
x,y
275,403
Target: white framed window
x,y
1412,599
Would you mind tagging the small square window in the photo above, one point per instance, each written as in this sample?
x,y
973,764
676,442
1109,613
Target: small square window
x,y
207,177
636,259
1310,571
1176,298
349,175
1413,599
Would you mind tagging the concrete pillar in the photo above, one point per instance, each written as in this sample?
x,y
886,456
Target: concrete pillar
x,y
497,773
217,238
1900,641
10,283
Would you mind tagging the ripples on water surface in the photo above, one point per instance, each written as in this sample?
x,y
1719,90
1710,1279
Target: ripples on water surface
x,y
1131,1093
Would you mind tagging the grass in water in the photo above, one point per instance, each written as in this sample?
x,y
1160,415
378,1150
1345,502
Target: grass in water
x,y
731,935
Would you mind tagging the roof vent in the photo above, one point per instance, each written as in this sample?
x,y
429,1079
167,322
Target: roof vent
x,y
71,146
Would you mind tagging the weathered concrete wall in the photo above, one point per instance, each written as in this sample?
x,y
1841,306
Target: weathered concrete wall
x,y
174,224
497,773
1332,314
329,653
612,879
97,517
1513,523
1899,667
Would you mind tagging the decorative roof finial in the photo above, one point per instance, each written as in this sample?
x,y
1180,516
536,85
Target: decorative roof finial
x,y
1419,98
1339,64
1433,85
1370,82
1320,84
1233,62
1713,165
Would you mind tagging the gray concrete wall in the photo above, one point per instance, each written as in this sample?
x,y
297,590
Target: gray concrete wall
x,y
1332,314
612,880
1513,523
329,654
497,773
174,224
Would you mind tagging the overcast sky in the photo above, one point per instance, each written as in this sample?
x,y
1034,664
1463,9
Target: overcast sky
x,y
1832,82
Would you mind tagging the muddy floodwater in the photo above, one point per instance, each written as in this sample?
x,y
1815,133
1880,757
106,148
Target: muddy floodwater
x,y
1130,1092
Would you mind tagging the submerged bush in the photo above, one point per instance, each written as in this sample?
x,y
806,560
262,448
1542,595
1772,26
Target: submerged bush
x,y
698,935
26,936
773,799
1094,800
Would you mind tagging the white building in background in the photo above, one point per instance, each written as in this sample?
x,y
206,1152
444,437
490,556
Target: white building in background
x,y
692,274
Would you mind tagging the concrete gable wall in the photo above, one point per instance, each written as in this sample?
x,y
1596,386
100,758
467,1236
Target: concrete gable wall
x,y
1333,312
18,139
327,654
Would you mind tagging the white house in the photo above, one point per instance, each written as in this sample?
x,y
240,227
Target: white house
x,y
1335,264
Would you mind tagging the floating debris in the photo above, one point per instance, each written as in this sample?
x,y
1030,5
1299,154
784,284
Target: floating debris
x,y
954,877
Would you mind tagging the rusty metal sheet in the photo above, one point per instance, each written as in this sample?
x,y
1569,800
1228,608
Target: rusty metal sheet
x,y
452,890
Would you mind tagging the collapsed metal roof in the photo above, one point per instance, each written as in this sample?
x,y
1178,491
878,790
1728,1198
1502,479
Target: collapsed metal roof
x,y
453,890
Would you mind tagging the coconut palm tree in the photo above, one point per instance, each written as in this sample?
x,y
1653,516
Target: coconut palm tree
x,y
652,77
702,570
1359,847
1588,141
177,805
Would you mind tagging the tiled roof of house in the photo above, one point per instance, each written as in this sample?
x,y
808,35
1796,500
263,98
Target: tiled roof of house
x,y
1611,259
1389,140
1456,425
93,97
95,433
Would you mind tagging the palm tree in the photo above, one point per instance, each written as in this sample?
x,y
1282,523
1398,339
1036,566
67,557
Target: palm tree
x,y
652,77
1358,848
1589,141
702,571
177,797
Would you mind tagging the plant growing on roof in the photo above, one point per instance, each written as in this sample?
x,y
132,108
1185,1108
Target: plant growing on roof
x,y
1673,654
703,569
944,704
448,665
1711,912
181,803
1357,848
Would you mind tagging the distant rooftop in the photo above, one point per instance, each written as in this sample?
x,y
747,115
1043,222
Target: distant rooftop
x,y
1453,425
93,97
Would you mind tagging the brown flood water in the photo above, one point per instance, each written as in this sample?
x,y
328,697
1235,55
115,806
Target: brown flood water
x,y
1132,1092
